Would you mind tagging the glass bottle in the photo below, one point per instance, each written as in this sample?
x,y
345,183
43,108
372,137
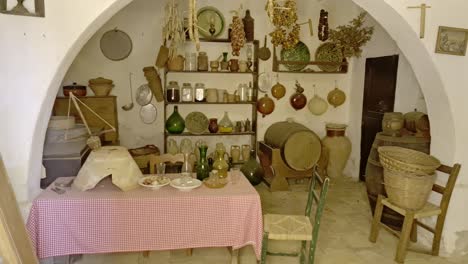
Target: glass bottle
x,y
203,170
175,124
225,125
220,163
252,169
186,166
173,92
199,92
202,61
250,92
187,92
242,92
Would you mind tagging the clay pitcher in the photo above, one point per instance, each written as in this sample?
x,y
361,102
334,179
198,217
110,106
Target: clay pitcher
x,y
234,65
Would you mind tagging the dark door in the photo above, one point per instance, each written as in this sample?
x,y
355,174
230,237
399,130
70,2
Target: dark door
x,y
379,97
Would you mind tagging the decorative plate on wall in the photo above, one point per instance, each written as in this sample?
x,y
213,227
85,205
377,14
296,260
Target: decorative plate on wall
x,y
196,122
299,53
211,22
116,45
143,95
328,52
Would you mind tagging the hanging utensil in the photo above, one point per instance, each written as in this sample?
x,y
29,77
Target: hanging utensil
x,y
264,82
264,52
129,106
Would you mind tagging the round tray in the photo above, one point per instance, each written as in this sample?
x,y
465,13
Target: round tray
x,y
329,53
143,95
196,123
160,181
116,45
299,53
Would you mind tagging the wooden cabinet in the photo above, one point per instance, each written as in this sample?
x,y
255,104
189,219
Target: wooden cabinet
x,y
105,106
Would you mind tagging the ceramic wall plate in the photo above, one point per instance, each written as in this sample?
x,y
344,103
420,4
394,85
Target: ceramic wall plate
x,y
143,95
116,45
299,53
328,52
211,22
196,123
148,113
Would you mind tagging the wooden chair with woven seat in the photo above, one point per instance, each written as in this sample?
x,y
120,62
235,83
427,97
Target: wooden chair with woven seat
x,y
297,227
164,158
412,218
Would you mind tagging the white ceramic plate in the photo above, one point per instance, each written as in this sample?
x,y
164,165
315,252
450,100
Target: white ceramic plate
x,y
148,114
154,182
187,185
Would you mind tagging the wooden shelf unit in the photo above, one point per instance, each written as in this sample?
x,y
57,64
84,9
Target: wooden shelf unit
x,y
253,114
276,65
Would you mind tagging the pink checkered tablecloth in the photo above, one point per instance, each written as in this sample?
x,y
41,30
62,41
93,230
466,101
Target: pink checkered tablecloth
x,y
105,219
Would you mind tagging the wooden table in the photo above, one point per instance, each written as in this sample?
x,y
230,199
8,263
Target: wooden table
x,y
105,219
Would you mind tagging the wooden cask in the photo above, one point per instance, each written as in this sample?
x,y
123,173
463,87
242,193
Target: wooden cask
x,y
374,172
300,147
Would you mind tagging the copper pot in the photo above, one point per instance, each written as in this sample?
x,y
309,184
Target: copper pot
x,y
77,90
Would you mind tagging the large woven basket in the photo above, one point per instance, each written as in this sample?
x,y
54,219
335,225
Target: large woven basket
x,y
409,191
407,160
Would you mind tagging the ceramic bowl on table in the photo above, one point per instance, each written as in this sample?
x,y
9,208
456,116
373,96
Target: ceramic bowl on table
x,y
154,182
185,184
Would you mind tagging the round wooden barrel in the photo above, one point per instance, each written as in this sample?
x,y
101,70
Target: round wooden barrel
x,y
374,172
300,146
416,121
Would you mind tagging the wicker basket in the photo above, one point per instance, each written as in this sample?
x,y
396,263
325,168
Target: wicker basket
x,y
407,160
409,191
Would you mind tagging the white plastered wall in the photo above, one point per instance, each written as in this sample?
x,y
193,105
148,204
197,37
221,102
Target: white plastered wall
x,y
37,52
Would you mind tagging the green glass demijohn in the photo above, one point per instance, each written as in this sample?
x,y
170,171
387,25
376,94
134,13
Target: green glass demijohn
x,y
252,169
203,169
175,124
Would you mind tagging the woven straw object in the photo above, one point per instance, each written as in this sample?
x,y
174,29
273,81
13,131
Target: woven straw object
x,y
407,190
407,160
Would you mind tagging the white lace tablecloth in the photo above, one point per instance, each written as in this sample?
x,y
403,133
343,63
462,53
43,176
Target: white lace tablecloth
x,y
105,219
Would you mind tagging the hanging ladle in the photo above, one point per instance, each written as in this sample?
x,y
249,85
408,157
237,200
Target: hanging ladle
x,y
129,106
264,53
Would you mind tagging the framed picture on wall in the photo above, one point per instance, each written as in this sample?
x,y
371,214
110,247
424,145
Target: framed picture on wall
x,y
452,41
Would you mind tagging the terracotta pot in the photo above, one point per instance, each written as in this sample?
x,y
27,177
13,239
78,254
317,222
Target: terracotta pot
x,y
234,65
213,126
77,90
339,147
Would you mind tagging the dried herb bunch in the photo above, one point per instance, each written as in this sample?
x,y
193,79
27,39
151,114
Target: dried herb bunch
x,y
350,38
284,18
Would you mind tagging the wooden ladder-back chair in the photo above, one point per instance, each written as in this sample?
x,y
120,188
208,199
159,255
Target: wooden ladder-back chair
x,y
298,227
154,159
412,218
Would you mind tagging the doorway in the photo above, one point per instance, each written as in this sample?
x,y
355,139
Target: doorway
x,y
379,97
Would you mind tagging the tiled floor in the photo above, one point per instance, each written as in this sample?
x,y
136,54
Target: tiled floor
x,y
343,235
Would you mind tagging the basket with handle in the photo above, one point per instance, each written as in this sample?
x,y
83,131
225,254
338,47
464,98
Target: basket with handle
x,y
407,160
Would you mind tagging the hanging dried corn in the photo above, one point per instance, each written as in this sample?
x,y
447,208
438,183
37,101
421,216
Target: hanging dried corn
x,y
193,24
237,34
284,18
173,30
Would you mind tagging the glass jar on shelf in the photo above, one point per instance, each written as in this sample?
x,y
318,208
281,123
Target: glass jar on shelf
x,y
173,92
187,92
202,61
200,92
191,61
